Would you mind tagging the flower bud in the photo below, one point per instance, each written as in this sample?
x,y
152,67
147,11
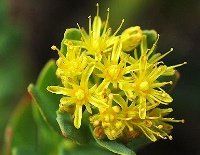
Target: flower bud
x,y
131,38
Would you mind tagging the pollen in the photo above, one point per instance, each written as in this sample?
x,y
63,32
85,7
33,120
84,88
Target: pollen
x,y
80,95
113,73
144,86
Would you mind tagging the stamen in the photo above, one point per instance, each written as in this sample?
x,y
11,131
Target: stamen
x,y
107,18
119,27
160,126
54,48
90,24
81,32
97,5
110,96
135,54
162,56
175,66
153,47
170,137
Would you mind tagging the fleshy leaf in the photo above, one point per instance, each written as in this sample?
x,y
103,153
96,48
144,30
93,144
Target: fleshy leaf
x,y
84,150
21,131
138,143
46,102
68,129
72,34
151,37
114,146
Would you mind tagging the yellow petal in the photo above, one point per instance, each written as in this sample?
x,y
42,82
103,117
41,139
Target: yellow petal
x,y
78,116
102,86
117,49
59,90
162,96
119,100
66,100
142,107
98,102
88,108
96,27
148,133
86,74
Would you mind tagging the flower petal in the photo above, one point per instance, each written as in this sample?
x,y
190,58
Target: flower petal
x,y
142,107
78,116
59,90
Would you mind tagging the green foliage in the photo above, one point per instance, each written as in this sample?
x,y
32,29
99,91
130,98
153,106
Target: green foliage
x,y
151,37
11,65
46,103
73,34
80,136
21,131
115,147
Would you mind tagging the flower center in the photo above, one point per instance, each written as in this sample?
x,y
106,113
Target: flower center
x,y
80,94
114,72
144,86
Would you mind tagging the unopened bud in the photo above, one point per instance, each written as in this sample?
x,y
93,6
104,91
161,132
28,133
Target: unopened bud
x,y
131,38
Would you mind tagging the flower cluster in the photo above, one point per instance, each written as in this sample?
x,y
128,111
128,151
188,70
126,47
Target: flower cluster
x,y
115,78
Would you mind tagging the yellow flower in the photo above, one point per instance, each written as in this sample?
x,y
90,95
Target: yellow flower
x,y
78,94
109,119
113,68
146,89
99,39
154,125
71,65
145,86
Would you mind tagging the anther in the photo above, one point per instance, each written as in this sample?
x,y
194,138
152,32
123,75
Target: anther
x,y
54,48
170,137
160,126
96,123
97,5
116,109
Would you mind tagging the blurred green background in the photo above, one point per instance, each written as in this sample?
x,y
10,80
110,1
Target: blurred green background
x,y
28,28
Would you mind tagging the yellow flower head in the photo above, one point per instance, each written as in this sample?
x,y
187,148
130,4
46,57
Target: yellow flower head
x,y
109,119
122,91
113,67
78,94
145,86
71,65
99,39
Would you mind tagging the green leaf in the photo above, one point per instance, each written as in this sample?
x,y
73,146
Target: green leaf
x,y
46,144
21,130
138,143
90,149
114,146
151,37
72,34
46,102
65,122
23,151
